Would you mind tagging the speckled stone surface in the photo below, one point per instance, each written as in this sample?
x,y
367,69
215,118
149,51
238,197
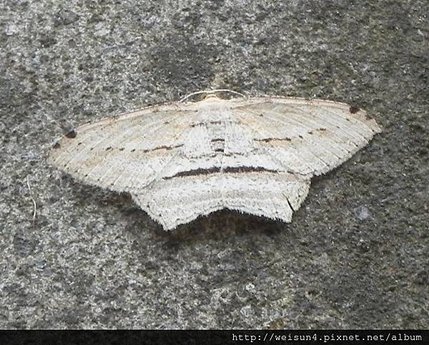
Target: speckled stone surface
x,y
356,254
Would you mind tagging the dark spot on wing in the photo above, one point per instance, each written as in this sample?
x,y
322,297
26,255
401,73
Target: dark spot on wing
x,y
71,134
267,140
164,147
56,145
218,122
353,109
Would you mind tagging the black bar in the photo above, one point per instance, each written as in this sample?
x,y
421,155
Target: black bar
x,y
237,337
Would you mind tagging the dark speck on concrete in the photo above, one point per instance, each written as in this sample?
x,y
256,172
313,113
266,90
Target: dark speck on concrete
x,y
355,255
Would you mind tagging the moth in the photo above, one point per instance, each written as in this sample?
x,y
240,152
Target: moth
x,y
187,159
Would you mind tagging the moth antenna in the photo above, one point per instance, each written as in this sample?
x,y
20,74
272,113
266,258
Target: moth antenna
x,y
211,92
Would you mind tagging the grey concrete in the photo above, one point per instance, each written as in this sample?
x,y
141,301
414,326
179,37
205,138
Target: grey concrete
x,y
356,254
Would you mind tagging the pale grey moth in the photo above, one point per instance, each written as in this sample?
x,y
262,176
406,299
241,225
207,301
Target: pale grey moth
x,y
183,160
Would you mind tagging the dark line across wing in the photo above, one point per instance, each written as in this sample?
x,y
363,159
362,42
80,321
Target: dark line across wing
x,y
215,170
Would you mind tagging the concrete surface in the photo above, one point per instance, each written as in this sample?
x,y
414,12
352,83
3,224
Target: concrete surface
x,y
356,254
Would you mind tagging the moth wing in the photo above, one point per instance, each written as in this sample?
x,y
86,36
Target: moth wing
x,y
124,153
182,199
308,137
